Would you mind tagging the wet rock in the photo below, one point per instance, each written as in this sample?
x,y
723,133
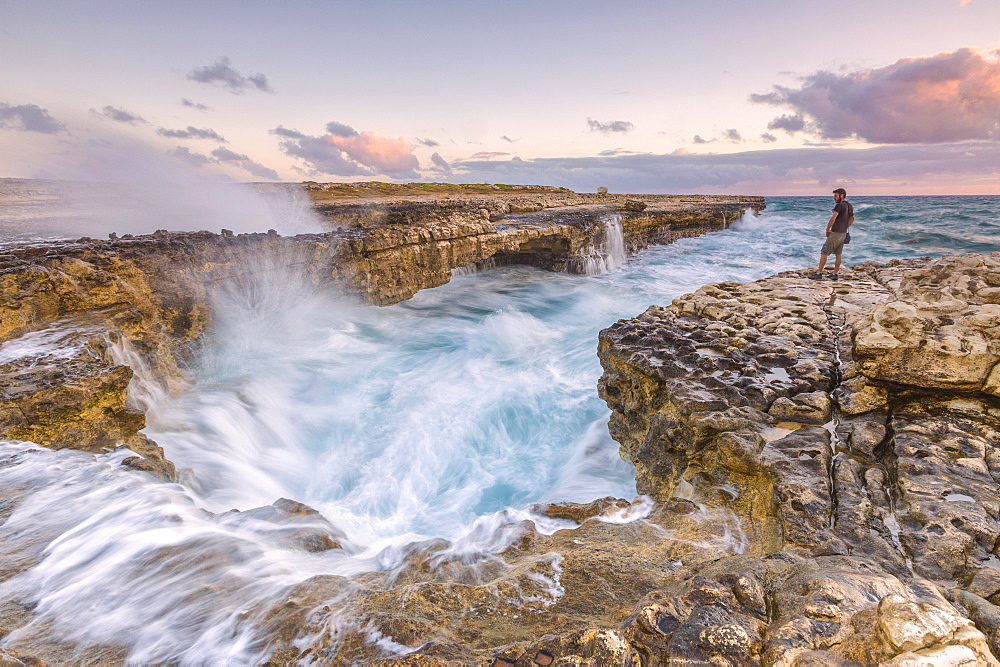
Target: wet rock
x,y
297,525
560,594
434,654
985,615
10,658
302,613
580,512
60,389
807,408
859,395
911,626
985,583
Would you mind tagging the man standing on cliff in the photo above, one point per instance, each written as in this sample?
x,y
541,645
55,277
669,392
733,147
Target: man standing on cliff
x,y
836,234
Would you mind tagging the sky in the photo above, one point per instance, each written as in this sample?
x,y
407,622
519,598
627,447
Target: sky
x,y
773,97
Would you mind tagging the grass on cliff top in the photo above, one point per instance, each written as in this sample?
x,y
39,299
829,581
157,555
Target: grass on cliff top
x,y
325,191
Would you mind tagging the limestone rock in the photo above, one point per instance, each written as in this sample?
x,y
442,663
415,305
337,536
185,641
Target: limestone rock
x,y
905,471
909,626
297,525
940,331
985,582
858,394
580,512
10,658
808,408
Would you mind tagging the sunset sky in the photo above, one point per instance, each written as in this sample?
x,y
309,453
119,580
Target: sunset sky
x,y
772,97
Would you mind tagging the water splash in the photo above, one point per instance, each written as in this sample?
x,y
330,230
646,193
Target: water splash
x,y
303,396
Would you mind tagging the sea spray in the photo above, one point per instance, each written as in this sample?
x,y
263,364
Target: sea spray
x,y
179,202
614,241
114,182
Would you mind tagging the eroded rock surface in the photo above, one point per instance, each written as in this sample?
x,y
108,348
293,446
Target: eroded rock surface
x,y
60,387
851,421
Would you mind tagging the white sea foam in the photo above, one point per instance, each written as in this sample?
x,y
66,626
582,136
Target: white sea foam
x,y
51,345
128,561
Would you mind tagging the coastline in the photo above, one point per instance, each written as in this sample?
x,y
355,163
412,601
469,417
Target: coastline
x,y
716,399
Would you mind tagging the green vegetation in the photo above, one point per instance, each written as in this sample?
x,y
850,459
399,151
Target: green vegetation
x,y
325,191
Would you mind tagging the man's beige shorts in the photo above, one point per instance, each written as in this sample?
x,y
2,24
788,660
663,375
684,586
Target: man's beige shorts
x,y
834,244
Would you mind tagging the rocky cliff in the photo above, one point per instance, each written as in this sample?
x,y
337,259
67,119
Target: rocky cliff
x,y
853,427
394,247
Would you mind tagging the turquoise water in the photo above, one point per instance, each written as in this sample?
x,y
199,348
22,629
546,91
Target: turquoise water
x,y
443,416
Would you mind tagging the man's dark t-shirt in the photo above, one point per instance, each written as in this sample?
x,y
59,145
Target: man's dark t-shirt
x,y
844,211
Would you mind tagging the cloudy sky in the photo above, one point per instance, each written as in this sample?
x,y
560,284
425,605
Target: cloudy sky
x,y
770,97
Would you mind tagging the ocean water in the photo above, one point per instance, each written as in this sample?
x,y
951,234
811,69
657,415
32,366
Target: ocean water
x,y
445,416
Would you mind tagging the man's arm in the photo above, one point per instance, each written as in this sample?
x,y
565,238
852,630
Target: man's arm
x,y
829,225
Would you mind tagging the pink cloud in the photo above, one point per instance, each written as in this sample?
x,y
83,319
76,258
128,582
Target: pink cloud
x,y
945,97
371,149
343,151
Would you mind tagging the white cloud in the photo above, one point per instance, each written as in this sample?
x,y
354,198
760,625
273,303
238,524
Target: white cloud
x,y
343,151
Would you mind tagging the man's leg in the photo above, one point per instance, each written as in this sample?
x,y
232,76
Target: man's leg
x,y
822,263
836,265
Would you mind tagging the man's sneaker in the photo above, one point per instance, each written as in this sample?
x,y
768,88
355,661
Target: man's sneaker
x,y
815,276
834,276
